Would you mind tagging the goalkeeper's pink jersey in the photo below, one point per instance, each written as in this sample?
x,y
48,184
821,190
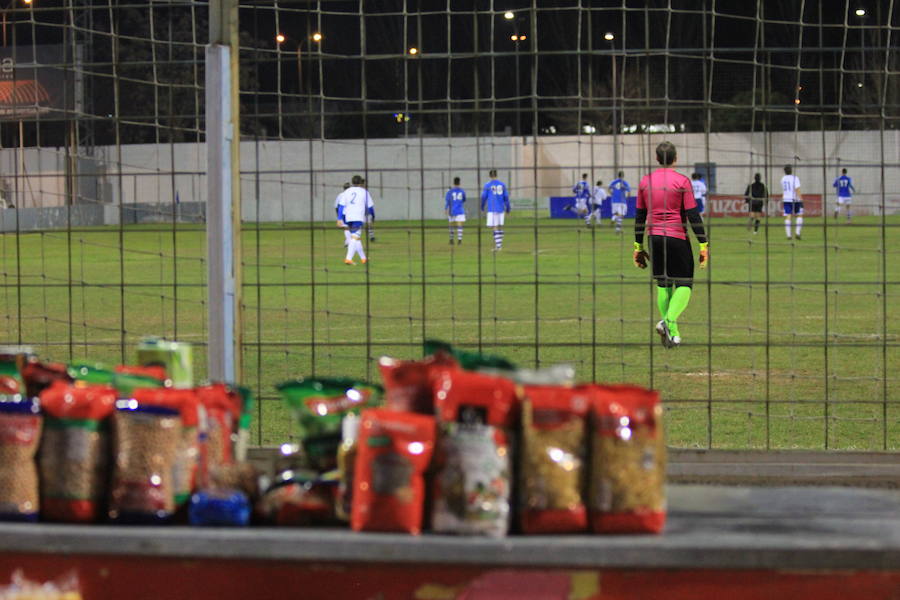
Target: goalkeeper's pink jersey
x,y
666,194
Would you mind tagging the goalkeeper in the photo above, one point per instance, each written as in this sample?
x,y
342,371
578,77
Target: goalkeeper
x,y
665,198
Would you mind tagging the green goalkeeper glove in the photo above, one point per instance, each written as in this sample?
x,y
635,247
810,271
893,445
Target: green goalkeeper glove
x,y
704,255
640,256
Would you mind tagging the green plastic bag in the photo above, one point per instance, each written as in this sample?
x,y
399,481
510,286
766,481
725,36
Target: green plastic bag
x,y
320,405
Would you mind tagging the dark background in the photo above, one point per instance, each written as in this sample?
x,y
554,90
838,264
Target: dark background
x,y
697,66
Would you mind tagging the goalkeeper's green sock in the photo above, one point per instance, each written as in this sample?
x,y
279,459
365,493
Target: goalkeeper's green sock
x,y
679,301
663,295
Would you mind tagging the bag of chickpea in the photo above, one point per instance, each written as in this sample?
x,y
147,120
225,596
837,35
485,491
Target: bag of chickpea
x,y
74,453
146,444
20,434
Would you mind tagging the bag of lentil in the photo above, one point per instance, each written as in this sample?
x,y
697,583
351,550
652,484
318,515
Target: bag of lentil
x,y
20,435
388,485
187,459
146,441
74,456
628,461
472,482
552,469
409,385
320,405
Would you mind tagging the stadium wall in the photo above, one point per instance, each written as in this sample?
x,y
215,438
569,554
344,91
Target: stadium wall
x,y
298,180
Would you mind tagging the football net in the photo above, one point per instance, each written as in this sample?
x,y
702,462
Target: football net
x,y
786,342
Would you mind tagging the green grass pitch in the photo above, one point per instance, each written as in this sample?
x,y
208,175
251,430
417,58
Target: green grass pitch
x,y
786,344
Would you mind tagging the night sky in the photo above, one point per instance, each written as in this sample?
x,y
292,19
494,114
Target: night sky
x,y
469,76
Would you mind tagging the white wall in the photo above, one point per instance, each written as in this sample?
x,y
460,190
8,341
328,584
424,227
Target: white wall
x,y
298,180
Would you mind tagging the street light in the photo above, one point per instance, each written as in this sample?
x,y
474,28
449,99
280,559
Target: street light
x,y
509,15
860,12
608,36
413,50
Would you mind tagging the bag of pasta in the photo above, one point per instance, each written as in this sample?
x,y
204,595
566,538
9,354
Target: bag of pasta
x,y
74,457
628,461
147,439
552,469
472,481
20,434
409,384
388,485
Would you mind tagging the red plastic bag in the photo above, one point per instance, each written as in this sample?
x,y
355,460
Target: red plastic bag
x,y
388,488
473,480
553,465
628,462
409,385
222,404
74,456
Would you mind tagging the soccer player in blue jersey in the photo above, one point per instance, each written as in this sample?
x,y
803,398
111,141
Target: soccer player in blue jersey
x,y
619,190
353,206
455,207
495,202
845,191
582,207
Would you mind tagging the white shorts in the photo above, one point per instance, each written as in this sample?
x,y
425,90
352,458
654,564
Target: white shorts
x,y
582,207
457,218
619,209
841,200
495,219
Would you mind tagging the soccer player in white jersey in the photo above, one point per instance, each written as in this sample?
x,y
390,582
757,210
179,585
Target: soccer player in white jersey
x,y
699,187
352,208
598,195
495,202
455,208
582,191
845,191
337,213
619,190
792,202
370,215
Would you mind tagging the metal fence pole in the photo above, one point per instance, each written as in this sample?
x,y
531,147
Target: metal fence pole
x,y
223,223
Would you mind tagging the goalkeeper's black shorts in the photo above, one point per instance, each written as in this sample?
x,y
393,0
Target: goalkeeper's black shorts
x,y
673,261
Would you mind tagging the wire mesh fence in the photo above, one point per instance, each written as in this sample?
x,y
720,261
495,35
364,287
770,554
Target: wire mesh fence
x,y
791,335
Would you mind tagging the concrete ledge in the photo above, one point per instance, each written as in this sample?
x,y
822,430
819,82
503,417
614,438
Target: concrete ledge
x,y
709,527
784,467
